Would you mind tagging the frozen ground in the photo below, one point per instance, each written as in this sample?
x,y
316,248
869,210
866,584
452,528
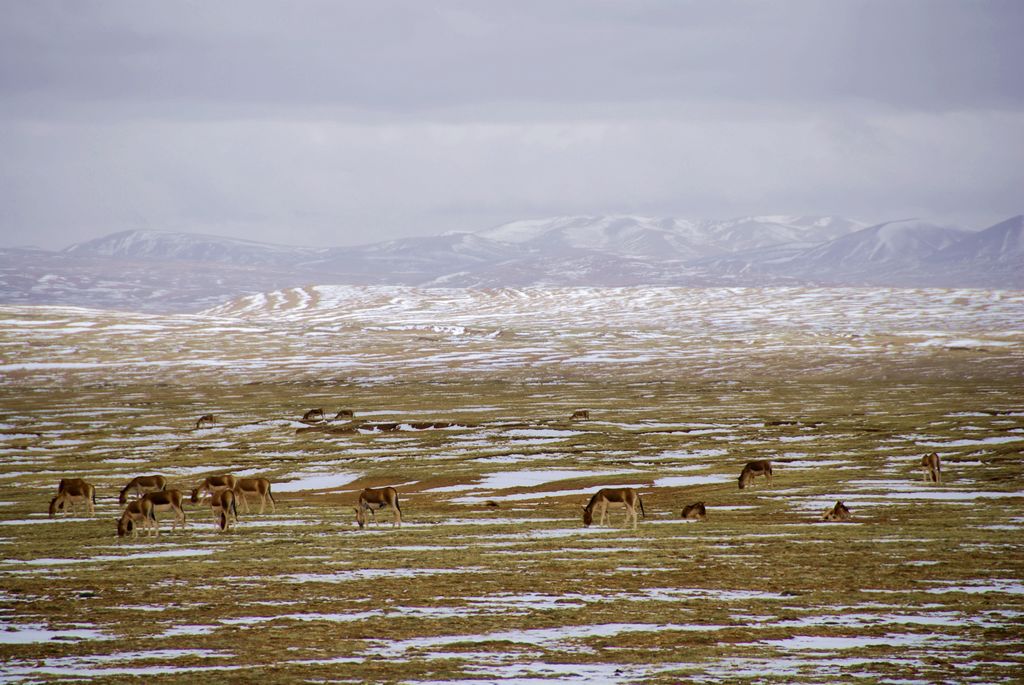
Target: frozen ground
x,y
492,577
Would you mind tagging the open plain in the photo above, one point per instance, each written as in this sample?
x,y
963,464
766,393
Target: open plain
x,y
462,401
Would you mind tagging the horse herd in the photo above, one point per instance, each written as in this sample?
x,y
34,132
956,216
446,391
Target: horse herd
x,y
152,496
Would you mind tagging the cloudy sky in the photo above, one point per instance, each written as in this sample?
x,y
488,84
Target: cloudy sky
x,y
333,123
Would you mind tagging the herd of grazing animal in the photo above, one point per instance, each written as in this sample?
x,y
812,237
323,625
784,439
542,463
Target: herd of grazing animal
x,y
152,495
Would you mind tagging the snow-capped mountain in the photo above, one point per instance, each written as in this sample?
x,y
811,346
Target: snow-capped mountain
x,y
1002,243
191,247
667,238
879,246
149,271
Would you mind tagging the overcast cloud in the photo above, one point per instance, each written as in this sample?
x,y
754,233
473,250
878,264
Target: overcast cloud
x,y
335,123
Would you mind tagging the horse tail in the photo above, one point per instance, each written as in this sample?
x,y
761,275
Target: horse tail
x,y
641,501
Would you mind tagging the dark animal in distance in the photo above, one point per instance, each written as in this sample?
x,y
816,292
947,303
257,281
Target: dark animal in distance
x,y
932,466
313,415
761,467
580,415
695,512
840,512
344,414
204,420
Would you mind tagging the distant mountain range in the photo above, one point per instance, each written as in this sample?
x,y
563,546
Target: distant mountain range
x,y
156,271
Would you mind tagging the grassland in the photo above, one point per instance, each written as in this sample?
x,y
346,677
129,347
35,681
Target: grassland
x,y
926,584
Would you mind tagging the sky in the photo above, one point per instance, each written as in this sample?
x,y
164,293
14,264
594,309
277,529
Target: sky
x,y
339,123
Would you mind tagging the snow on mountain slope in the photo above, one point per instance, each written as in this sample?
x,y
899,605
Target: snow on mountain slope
x,y
1003,242
667,237
756,232
160,245
892,242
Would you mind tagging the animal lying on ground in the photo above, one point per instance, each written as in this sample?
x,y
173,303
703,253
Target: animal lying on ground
x,y
840,512
313,415
695,512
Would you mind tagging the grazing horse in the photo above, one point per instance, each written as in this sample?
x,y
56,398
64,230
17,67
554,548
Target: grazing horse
x,y
840,512
224,505
761,467
695,512
141,485
604,497
213,485
932,467
379,497
168,500
204,420
313,415
71,492
580,415
138,513
255,486
344,414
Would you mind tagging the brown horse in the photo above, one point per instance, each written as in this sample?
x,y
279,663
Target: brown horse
x,y
259,487
70,493
138,513
313,415
140,485
379,498
205,419
344,414
168,500
761,467
224,505
213,485
580,415
932,467
695,512
604,497
840,512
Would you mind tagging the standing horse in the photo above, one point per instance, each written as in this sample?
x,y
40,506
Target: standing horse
x,y
761,467
604,497
932,467
379,497
70,493
140,485
259,487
